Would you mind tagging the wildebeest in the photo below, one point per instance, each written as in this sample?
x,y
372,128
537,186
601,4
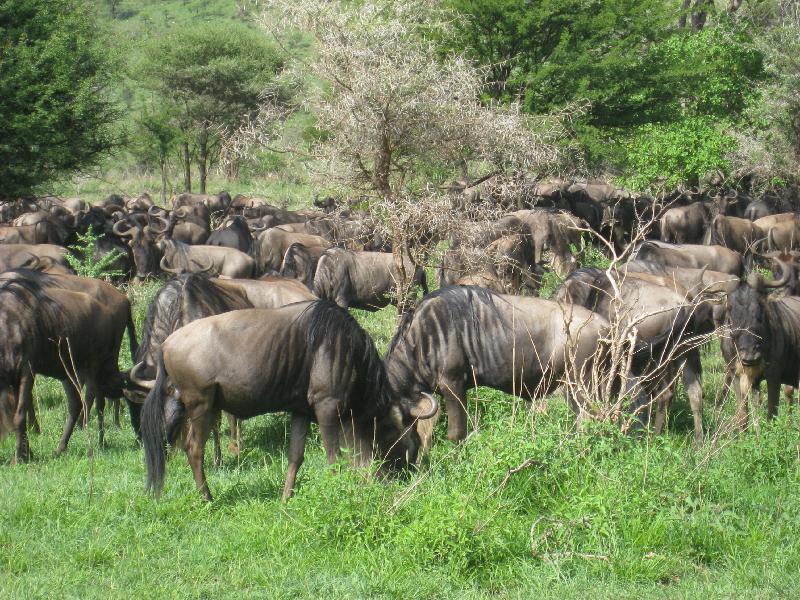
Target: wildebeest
x,y
311,359
268,292
273,243
784,236
764,340
458,337
234,234
215,203
715,258
665,323
48,257
300,263
218,260
180,301
364,280
142,242
741,235
58,333
685,224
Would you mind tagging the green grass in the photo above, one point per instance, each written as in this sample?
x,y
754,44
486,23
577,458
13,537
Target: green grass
x,y
593,515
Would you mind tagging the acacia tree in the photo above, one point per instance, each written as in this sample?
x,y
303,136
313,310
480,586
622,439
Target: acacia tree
x,y
57,115
394,111
211,78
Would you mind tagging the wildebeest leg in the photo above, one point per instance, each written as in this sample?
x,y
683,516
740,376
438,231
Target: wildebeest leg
x,y
773,394
116,405
297,448
692,374
20,403
73,412
664,401
201,418
328,419
455,397
101,411
26,390
744,391
235,443
215,436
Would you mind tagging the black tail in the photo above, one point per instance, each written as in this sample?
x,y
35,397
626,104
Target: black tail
x,y
154,435
134,345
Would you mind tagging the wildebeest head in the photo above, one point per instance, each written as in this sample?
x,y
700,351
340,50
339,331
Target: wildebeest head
x,y
141,239
747,317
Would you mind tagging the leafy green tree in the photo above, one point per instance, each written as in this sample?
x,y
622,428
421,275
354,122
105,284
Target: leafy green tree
x,y
648,80
54,76
211,79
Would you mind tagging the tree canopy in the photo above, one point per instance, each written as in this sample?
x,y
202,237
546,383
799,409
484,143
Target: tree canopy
x,y
55,69
210,78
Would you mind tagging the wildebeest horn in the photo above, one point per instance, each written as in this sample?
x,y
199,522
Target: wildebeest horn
x,y
156,211
756,280
162,220
205,269
700,277
180,212
257,229
117,229
732,194
32,263
147,384
162,264
418,413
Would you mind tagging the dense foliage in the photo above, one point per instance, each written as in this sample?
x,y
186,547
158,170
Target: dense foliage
x,y
207,80
662,98
55,71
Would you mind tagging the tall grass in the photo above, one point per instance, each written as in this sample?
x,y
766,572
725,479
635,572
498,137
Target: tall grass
x,y
526,505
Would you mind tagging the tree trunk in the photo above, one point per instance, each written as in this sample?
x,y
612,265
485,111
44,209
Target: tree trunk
x,y
202,146
684,13
187,168
162,163
383,164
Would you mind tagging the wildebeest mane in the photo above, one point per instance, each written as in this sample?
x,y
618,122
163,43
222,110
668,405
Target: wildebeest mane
x,y
183,299
458,302
330,324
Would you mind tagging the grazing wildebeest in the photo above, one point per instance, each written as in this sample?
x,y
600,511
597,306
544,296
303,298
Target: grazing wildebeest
x,y
770,221
182,300
234,234
458,337
311,359
182,258
364,280
764,340
715,258
664,319
58,333
101,292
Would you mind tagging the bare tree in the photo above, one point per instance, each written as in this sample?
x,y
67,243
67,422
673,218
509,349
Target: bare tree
x,y
394,111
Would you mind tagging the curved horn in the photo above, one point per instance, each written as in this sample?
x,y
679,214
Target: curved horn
x,y
119,231
33,263
163,266
205,269
181,212
786,274
434,408
156,211
162,220
700,283
258,229
147,384
732,194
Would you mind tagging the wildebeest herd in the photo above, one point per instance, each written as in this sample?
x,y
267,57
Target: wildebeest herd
x,y
254,318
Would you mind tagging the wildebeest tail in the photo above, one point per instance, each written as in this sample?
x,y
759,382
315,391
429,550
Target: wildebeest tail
x,y
154,433
131,327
